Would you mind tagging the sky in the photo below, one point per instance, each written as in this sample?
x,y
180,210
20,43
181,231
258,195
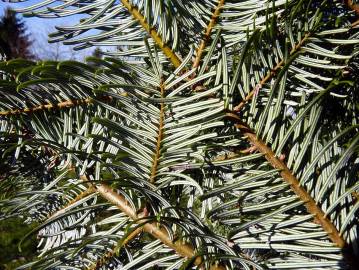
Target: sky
x,y
39,28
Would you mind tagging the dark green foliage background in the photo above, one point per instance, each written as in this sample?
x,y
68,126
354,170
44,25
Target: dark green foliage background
x,y
11,232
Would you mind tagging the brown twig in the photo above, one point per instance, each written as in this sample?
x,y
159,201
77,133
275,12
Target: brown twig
x,y
356,23
80,196
159,137
153,33
184,250
207,34
108,255
352,6
270,75
280,64
50,106
355,196
299,190
310,204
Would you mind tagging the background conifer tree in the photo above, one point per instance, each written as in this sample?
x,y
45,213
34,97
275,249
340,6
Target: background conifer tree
x,y
14,41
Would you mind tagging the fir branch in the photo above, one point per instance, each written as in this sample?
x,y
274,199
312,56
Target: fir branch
x,y
50,106
110,254
156,231
90,190
207,34
279,65
286,174
153,33
159,137
271,74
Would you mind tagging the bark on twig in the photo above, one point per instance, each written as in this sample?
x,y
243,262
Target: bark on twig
x,y
153,33
207,34
156,231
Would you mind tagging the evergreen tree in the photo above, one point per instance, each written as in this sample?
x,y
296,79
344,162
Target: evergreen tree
x,y
14,41
97,54
223,135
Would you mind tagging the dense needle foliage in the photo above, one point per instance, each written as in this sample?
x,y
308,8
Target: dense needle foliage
x,y
220,135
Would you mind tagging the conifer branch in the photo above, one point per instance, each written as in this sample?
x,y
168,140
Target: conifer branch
x,y
207,34
50,106
280,64
159,137
61,105
287,175
80,196
184,250
303,195
153,33
102,261
110,254
270,74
